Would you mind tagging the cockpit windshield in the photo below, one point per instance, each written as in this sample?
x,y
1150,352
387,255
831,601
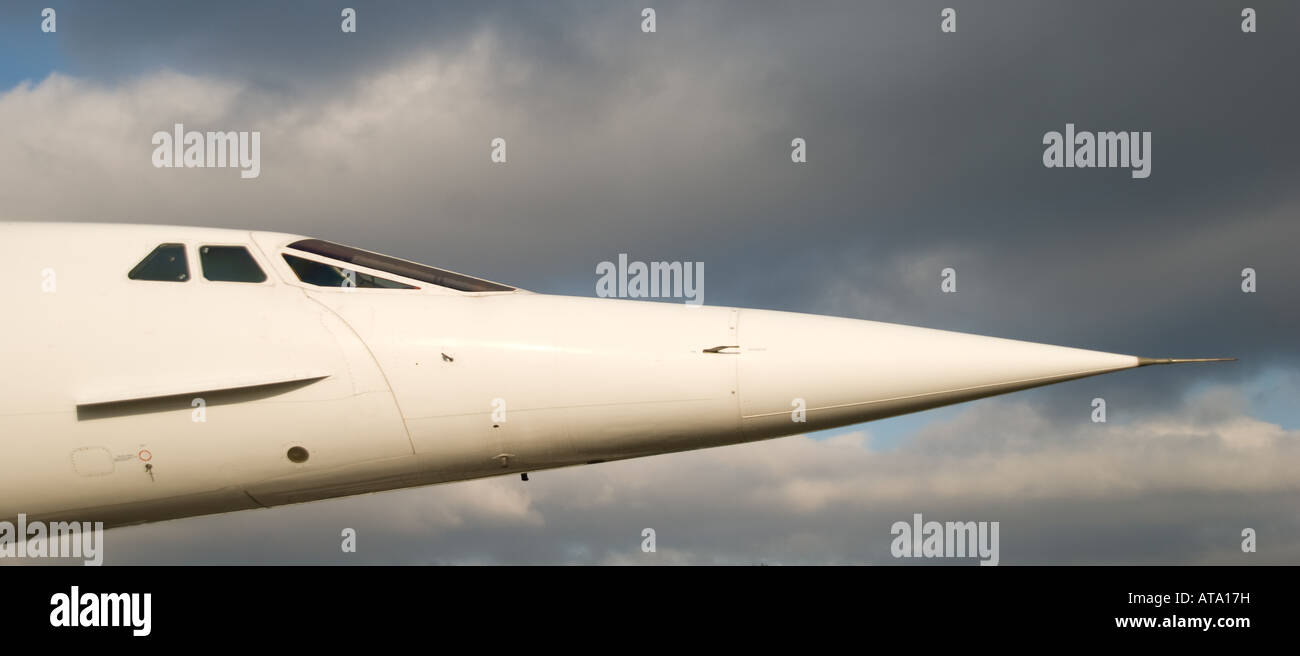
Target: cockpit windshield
x,y
440,277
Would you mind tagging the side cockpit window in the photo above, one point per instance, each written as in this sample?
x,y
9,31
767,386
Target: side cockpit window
x,y
229,264
327,275
167,262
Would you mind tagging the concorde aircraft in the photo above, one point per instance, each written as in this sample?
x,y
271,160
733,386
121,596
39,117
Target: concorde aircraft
x,y
156,372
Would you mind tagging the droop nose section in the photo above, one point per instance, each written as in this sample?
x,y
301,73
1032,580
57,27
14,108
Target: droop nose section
x,y
832,372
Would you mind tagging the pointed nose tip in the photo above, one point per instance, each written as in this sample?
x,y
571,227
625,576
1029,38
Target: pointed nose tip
x,y
846,371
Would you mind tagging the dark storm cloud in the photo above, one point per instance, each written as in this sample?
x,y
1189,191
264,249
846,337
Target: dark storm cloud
x,y
284,44
297,45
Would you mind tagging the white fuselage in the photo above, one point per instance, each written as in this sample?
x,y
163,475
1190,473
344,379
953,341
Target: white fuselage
x,y
127,401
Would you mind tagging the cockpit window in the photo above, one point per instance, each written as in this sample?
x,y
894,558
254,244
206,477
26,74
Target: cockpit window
x,y
230,264
166,262
398,267
326,275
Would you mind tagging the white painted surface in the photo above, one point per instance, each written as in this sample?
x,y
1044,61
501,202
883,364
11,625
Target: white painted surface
x,y
378,406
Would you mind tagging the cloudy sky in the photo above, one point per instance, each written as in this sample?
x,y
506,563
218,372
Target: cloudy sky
x,y
924,152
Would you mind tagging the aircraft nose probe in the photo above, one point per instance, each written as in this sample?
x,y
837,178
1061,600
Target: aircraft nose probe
x,y
1142,362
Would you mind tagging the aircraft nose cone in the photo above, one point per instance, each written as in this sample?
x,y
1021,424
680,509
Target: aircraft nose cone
x,y
845,371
